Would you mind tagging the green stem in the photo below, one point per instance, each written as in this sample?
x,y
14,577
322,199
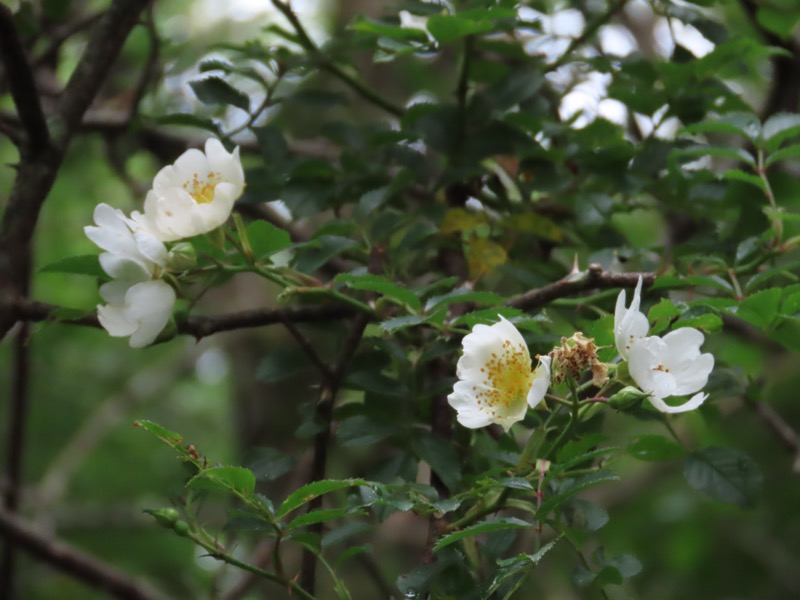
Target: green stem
x,y
329,293
220,554
777,224
566,433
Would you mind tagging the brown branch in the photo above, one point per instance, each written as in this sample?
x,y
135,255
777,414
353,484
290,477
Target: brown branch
x,y
74,562
17,419
202,326
330,389
101,52
23,87
788,436
37,171
593,278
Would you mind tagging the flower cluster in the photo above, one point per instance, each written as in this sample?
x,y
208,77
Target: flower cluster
x,y
661,367
496,383
190,197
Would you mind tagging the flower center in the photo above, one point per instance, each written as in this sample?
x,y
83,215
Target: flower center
x,y
202,189
508,379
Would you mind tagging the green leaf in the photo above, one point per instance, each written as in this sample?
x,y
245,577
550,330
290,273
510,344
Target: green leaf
x,y
509,567
782,154
189,120
761,308
739,175
724,474
312,490
737,154
238,480
448,28
87,264
268,464
737,123
462,295
315,253
396,323
266,239
361,430
165,435
319,516
654,448
577,486
779,127
381,285
215,90
487,526
440,455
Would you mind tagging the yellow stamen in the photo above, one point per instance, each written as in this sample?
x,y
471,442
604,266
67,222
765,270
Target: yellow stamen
x,y
508,379
202,190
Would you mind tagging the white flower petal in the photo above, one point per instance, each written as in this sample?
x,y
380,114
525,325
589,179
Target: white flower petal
x,y
496,383
139,310
691,404
195,194
540,383
629,324
122,267
684,342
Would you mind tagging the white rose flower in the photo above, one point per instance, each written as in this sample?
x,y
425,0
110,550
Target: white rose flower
x,y
195,194
496,383
139,310
629,324
139,303
131,251
671,366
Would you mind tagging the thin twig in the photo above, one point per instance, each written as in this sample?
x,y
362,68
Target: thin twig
x,y
325,64
306,346
788,436
73,562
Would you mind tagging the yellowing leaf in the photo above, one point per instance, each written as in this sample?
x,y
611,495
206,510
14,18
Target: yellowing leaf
x,y
460,219
483,256
537,225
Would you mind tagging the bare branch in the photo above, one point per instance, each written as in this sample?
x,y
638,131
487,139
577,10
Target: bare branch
x,y
74,562
593,278
23,87
788,436
15,449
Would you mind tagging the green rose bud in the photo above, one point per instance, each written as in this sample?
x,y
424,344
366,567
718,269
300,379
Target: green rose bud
x,y
626,398
165,516
181,257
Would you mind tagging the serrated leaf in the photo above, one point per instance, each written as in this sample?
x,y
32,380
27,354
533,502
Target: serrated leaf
x,y
189,120
783,154
654,448
737,154
87,264
739,175
761,308
266,239
215,90
396,323
460,295
448,28
509,567
578,486
319,516
165,435
310,491
488,526
238,480
779,127
381,285
724,474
